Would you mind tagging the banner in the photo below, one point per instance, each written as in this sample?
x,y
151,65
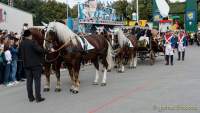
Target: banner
x,y
191,16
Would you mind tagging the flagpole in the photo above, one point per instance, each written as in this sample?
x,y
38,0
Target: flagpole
x,y
137,10
67,8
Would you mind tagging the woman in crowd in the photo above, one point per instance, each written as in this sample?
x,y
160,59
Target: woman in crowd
x,y
8,58
14,54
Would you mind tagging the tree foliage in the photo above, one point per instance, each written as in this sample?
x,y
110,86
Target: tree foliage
x,y
49,10
42,10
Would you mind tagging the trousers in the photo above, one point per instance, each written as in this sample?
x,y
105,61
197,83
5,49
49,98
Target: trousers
x,y
33,74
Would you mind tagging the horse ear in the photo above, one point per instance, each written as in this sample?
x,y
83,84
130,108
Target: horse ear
x,y
44,24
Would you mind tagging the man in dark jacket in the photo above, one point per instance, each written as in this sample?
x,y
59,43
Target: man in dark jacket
x,y
32,54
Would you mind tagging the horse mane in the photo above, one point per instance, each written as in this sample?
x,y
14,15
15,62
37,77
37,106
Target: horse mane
x,y
122,38
63,32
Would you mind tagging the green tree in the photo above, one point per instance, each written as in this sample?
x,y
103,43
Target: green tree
x,y
121,8
74,12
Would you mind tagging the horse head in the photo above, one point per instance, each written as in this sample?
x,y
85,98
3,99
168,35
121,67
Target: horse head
x,y
58,36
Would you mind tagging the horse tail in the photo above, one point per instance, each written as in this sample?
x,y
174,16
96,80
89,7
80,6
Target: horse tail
x,y
109,56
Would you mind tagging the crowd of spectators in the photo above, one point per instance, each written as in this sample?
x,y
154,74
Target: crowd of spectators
x,y
11,66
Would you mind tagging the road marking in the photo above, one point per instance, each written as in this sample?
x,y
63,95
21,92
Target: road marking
x,y
116,99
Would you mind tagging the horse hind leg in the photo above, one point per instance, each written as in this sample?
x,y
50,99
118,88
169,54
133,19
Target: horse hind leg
x,y
135,61
96,64
77,81
58,85
77,84
131,62
121,67
104,78
109,58
47,75
103,83
71,73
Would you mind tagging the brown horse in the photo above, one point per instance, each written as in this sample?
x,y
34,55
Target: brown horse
x,y
126,51
74,51
52,60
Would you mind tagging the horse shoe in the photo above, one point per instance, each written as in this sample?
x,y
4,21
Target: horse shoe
x,y
103,84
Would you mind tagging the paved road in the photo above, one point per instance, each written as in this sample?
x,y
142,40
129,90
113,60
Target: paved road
x,y
147,89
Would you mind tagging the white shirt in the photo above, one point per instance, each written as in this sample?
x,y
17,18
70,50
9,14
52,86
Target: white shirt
x,y
8,56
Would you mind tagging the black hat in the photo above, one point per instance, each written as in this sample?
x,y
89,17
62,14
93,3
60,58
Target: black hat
x,y
27,33
11,37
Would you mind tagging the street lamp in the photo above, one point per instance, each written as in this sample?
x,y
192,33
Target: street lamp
x,y
67,8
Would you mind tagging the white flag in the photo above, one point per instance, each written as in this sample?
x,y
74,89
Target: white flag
x,y
163,7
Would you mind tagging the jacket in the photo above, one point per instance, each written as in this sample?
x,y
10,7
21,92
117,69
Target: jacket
x,y
31,53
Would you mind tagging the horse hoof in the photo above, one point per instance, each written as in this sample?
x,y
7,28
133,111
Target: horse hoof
x,y
103,84
57,90
74,92
134,67
131,67
115,66
46,90
120,71
95,83
109,70
71,90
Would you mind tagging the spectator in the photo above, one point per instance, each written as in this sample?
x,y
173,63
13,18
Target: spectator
x,y
1,61
8,58
14,53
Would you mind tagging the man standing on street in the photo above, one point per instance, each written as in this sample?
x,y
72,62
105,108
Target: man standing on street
x,y
169,43
182,43
31,54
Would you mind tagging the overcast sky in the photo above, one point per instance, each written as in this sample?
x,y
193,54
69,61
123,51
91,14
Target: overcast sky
x,y
73,2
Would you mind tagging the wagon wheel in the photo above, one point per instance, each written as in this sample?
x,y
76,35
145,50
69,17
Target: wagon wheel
x,y
142,56
152,57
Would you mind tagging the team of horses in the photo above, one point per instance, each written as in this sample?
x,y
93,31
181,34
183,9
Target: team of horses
x,y
108,48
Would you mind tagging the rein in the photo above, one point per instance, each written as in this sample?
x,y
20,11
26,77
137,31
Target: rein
x,y
61,47
52,60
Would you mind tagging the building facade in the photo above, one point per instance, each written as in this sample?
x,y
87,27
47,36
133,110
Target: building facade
x,y
12,19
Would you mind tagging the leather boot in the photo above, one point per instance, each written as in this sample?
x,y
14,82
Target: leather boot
x,y
167,59
172,60
183,55
179,56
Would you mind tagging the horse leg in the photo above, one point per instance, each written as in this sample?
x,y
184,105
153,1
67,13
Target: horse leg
x,y
47,74
121,67
58,85
77,81
135,60
105,65
96,64
109,58
71,73
131,62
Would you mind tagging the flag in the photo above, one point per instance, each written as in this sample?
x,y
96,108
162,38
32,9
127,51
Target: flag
x,y
163,7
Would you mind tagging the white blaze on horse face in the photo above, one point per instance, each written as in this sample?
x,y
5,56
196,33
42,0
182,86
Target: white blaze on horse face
x,y
96,76
64,34
104,76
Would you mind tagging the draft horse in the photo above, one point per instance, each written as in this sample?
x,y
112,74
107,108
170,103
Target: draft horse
x,y
68,45
126,51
